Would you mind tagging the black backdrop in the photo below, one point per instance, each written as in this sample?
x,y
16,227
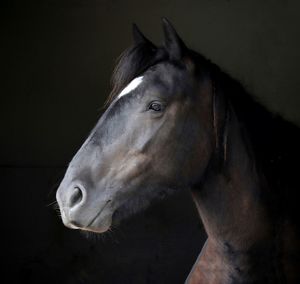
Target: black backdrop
x,y
56,61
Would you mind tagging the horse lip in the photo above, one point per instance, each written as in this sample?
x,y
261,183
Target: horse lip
x,y
72,225
97,215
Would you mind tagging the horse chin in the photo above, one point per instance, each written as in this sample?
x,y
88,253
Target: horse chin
x,y
95,228
98,230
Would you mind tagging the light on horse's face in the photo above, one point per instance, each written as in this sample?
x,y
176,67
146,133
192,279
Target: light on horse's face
x,y
141,149
131,86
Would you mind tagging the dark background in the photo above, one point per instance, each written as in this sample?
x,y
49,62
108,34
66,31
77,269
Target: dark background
x,y
56,61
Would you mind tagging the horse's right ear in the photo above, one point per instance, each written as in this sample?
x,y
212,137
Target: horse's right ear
x,y
173,43
138,36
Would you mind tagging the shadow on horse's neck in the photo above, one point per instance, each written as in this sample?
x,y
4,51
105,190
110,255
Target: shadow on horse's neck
x,y
229,200
231,206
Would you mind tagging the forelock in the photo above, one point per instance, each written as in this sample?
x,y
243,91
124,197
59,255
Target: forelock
x,y
131,64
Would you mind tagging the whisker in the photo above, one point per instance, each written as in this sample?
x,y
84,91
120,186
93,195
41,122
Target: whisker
x,y
56,181
51,203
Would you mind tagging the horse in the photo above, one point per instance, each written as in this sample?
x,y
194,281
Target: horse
x,y
173,121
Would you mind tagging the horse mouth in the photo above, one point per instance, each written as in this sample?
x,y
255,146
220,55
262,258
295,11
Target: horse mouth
x,y
98,214
93,225
96,224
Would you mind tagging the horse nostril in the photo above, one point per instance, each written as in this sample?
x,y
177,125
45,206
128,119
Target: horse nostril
x,y
76,196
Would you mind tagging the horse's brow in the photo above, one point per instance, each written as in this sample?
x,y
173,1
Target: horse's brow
x,y
131,86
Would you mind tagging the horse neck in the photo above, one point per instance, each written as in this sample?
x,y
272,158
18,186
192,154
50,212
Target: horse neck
x,y
230,201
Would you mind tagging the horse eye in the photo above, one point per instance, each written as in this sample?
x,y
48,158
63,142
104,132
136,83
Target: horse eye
x,y
155,106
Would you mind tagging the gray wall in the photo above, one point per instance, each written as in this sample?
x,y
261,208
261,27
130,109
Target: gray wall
x,y
56,59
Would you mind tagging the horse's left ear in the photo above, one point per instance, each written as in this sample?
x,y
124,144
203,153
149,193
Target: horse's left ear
x,y
173,43
139,38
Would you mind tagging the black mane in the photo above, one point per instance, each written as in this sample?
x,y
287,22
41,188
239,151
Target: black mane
x,y
275,142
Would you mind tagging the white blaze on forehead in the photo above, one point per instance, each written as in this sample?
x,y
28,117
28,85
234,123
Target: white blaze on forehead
x,y
131,86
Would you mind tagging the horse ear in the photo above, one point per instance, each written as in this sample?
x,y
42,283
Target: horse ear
x,y
173,43
138,36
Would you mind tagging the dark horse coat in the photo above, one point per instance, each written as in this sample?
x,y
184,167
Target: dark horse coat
x,y
174,120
